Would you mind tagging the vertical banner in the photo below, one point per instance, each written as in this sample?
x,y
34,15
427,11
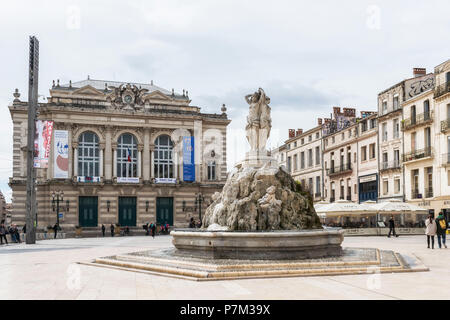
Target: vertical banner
x,y
188,159
42,143
61,154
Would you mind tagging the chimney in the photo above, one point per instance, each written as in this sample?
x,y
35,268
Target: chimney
x,y
349,112
418,72
319,121
299,132
336,110
291,133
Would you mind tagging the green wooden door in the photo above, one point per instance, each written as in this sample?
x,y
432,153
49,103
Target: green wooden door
x,y
164,211
127,211
88,211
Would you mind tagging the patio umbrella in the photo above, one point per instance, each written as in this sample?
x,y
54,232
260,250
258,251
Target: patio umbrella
x,y
394,206
344,208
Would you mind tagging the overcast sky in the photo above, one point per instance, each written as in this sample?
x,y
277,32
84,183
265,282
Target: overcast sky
x,y
308,56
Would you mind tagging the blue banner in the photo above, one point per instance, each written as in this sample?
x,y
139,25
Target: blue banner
x,y
188,159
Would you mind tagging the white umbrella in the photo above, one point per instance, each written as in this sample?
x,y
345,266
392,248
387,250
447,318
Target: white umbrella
x,y
395,206
320,204
344,208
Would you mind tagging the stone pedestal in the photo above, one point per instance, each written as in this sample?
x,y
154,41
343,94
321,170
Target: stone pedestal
x,y
257,159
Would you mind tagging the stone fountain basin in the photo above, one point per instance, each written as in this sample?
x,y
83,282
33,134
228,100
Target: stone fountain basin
x,y
258,245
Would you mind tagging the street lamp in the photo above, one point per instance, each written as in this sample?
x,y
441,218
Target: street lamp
x,y
198,201
57,197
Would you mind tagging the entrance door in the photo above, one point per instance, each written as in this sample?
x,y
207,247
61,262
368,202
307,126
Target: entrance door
x,y
88,211
164,211
127,211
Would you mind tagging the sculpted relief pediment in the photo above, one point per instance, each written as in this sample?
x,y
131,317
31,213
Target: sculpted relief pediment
x,y
87,90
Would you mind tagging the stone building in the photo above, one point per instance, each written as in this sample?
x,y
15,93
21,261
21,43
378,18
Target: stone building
x,y
279,154
418,126
390,143
442,137
304,158
127,160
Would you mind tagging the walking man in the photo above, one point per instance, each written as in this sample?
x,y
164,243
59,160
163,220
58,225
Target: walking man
x,y
153,227
441,229
103,230
112,230
392,227
55,228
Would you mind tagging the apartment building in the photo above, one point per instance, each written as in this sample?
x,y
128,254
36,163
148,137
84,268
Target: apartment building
x,y
304,158
390,143
279,154
419,130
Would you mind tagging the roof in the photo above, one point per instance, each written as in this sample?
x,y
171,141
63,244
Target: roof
x,y
100,85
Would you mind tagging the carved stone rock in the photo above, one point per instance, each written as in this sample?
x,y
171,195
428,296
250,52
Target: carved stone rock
x,y
266,198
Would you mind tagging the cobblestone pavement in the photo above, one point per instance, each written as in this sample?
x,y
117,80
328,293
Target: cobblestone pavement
x,y
48,270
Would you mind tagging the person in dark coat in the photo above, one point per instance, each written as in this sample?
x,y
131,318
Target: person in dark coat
x,y
112,230
103,230
16,232
392,227
55,228
153,227
441,229
3,232
192,223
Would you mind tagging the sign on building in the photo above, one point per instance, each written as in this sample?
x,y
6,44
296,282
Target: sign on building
x,y
188,159
61,154
42,143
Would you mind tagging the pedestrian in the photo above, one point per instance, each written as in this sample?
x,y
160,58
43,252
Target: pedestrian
x,y
392,227
103,230
3,233
12,234
153,227
147,229
430,230
16,231
55,228
192,223
112,230
441,229
166,227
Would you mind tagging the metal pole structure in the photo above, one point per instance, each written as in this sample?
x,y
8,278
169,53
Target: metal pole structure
x,y
31,205
57,209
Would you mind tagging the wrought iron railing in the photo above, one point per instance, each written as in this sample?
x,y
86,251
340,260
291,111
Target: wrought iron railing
x,y
332,200
343,168
442,89
429,192
389,165
415,194
419,119
418,154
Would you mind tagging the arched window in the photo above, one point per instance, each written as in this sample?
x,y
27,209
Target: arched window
x,y
88,155
163,157
126,156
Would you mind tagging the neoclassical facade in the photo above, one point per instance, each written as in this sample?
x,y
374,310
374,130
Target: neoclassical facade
x,y
127,159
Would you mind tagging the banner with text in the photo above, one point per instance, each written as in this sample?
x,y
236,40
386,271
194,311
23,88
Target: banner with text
x,y
42,143
61,154
188,159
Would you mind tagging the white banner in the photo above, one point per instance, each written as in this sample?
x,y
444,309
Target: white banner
x,y
88,179
165,180
42,140
61,154
127,180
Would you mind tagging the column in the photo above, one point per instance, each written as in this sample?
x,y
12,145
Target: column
x,y
152,162
100,172
114,153
146,155
175,164
75,159
139,160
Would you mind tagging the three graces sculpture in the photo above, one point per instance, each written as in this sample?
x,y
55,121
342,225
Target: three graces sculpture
x,y
259,121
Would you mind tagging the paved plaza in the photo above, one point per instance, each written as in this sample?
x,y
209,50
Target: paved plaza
x,y
49,270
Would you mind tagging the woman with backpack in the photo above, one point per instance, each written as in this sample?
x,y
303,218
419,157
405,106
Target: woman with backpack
x,y
441,229
431,230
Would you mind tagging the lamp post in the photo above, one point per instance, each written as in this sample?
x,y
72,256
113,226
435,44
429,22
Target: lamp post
x,y
57,197
198,200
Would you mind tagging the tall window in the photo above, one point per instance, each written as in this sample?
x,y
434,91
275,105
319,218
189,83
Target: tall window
x,y
396,129
127,156
211,170
317,155
384,131
163,157
395,103
88,155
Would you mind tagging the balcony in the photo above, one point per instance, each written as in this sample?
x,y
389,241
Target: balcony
x,y
418,120
415,194
445,126
429,192
332,200
445,159
442,89
317,195
390,165
418,154
342,169
349,198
